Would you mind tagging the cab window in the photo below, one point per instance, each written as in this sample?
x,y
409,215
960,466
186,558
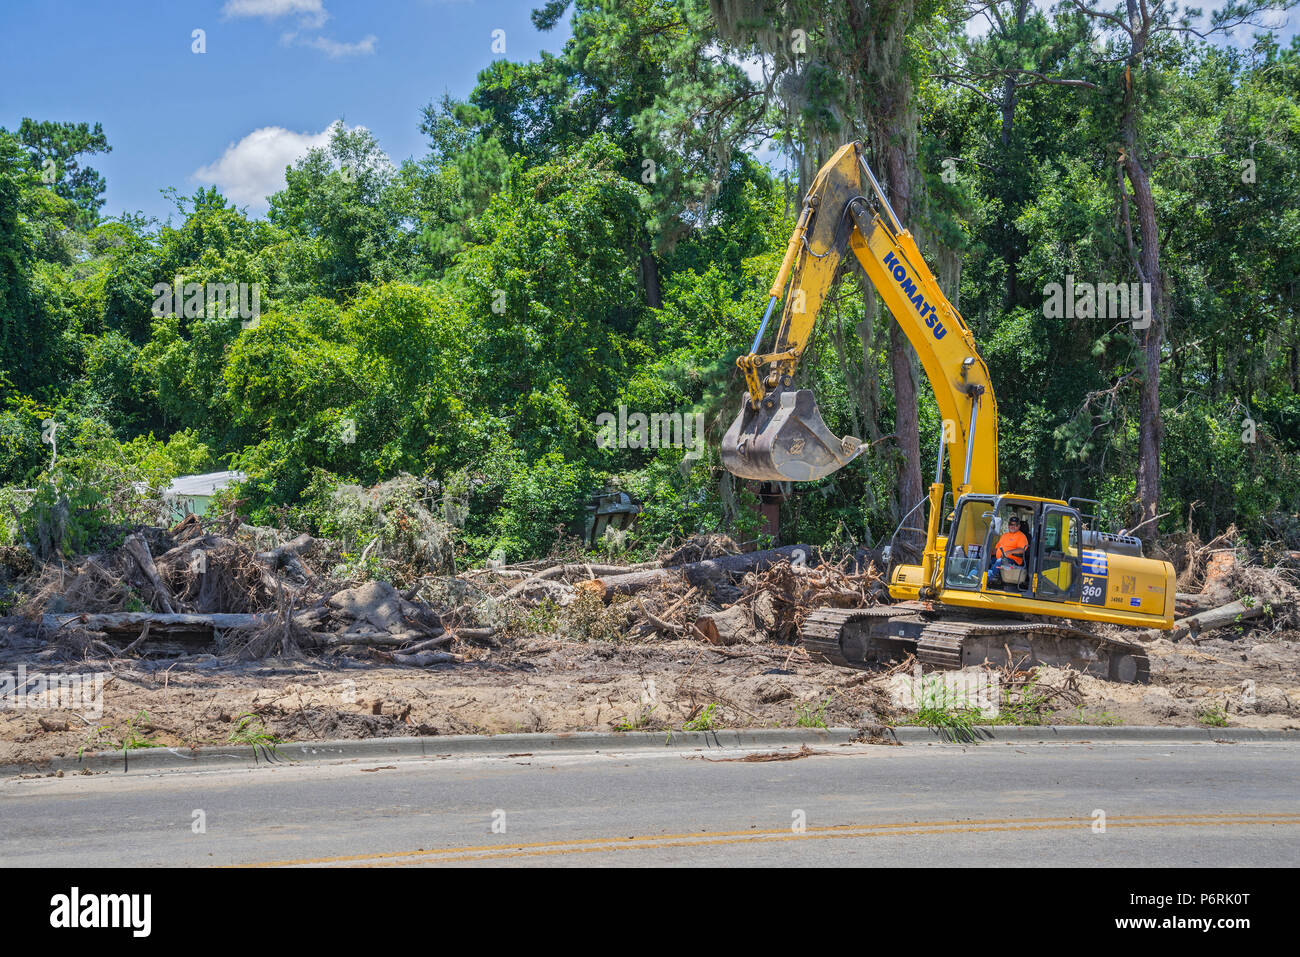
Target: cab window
x,y
1060,555
963,566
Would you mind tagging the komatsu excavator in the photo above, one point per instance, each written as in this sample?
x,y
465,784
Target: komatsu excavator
x,y
955,608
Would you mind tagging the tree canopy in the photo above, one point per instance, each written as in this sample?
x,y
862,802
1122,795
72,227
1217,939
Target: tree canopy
x,y
596,229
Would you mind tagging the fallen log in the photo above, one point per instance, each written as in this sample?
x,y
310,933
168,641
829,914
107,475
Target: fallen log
x,y
553,572
159,629
427,645
587,569
481,636
369,638
592,570
1220,617
706,574
1186,603
732,626
501,572
138,549
134,621
424,658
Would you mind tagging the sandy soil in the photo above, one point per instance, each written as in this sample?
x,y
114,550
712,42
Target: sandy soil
x,y
545,685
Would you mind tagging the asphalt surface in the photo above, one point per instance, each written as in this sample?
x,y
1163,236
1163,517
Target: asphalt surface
x,y
1161,804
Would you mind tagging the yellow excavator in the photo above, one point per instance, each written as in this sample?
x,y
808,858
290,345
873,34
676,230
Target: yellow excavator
x,y
960,606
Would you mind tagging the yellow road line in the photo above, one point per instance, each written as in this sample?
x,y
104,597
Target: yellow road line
x,y
470,858
708,838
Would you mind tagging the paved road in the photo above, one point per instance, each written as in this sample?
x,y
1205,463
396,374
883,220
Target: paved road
x,y
1186,805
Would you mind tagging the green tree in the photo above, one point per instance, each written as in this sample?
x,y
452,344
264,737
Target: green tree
x,y
62,144
345,197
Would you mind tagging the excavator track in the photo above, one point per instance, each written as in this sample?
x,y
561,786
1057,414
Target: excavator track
x,y
943,639
940,648
821,631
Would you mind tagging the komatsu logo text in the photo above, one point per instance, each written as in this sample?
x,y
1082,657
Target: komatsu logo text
x,y
923,308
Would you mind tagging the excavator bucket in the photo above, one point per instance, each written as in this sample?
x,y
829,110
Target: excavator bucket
x,y
785,440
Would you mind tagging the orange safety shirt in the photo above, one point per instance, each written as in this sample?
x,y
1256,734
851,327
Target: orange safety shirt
x,y
1009,541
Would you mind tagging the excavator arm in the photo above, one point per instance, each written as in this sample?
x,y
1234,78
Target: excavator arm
x,y
779,434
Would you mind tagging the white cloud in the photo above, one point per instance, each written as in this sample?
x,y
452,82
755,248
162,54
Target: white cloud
x,y
312,12
333,48
1277,19
252,169
311,17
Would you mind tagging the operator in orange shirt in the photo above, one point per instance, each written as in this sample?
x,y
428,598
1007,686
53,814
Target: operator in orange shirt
x,y
1010,550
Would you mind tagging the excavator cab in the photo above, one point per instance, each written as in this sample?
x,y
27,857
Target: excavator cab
x,y
785,440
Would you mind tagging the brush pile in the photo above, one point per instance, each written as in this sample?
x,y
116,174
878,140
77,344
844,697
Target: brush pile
x,y
1225,591
703,590
244,592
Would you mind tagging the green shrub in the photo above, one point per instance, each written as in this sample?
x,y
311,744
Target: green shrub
x,y
542,501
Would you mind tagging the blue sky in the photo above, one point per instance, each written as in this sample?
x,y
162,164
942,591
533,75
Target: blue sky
x,y
275,75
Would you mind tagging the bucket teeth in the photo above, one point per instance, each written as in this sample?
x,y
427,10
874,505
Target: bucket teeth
x,y
785,440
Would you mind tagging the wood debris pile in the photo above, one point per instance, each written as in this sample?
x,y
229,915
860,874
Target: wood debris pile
x,y
1222,594
244,592
782,597
748,597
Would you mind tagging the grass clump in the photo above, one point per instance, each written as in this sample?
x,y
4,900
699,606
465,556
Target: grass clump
x,y
812,714
100,738
705,720
639,720
1214,717
250,730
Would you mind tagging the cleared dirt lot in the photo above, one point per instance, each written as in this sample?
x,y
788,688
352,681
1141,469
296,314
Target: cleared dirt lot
x,y
537,650
548,685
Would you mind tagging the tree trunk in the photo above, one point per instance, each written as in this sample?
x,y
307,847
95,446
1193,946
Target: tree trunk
x,y
1295,352
869,393
705,574
1150,425
1008,110
906,423
1008,116
900,353
650,278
